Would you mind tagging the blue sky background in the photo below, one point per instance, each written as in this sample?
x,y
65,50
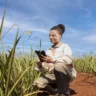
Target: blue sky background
x,y
38,16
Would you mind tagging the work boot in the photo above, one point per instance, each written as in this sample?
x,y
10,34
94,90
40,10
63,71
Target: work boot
x,y
60,94
51,90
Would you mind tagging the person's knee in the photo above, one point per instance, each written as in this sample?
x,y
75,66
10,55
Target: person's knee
x,y
40,83
60,68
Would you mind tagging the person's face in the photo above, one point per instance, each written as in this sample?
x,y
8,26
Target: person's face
x,y
54,36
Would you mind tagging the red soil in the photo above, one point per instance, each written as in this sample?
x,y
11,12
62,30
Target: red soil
x,y
84,85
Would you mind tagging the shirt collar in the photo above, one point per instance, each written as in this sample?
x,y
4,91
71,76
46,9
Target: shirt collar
x,y
56,46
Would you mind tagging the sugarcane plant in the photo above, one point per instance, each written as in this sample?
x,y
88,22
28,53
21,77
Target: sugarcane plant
x,y
16,71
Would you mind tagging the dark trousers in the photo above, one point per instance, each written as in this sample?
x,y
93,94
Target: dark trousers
x,y
62,81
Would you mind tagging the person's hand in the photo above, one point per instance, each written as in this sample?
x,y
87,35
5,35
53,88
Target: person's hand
x,y
47,59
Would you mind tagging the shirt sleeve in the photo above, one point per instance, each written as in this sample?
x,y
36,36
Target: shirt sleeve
x,y
66,57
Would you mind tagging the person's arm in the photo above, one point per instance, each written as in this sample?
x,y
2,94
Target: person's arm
x,y
48,58
66,57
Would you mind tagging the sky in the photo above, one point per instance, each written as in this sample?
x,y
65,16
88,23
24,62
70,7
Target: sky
x,y
39,16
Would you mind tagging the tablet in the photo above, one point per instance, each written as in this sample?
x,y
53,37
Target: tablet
x,y
40,53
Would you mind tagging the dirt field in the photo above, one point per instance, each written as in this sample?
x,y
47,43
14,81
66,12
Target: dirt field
x,y
84,85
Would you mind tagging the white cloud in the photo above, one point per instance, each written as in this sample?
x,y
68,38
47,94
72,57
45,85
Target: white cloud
x,y
74,3
50,3
41,20
23,26
7,24
90,38
78,50
72,32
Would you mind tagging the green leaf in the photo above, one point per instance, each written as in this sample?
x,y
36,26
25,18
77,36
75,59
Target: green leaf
x,y
2,22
